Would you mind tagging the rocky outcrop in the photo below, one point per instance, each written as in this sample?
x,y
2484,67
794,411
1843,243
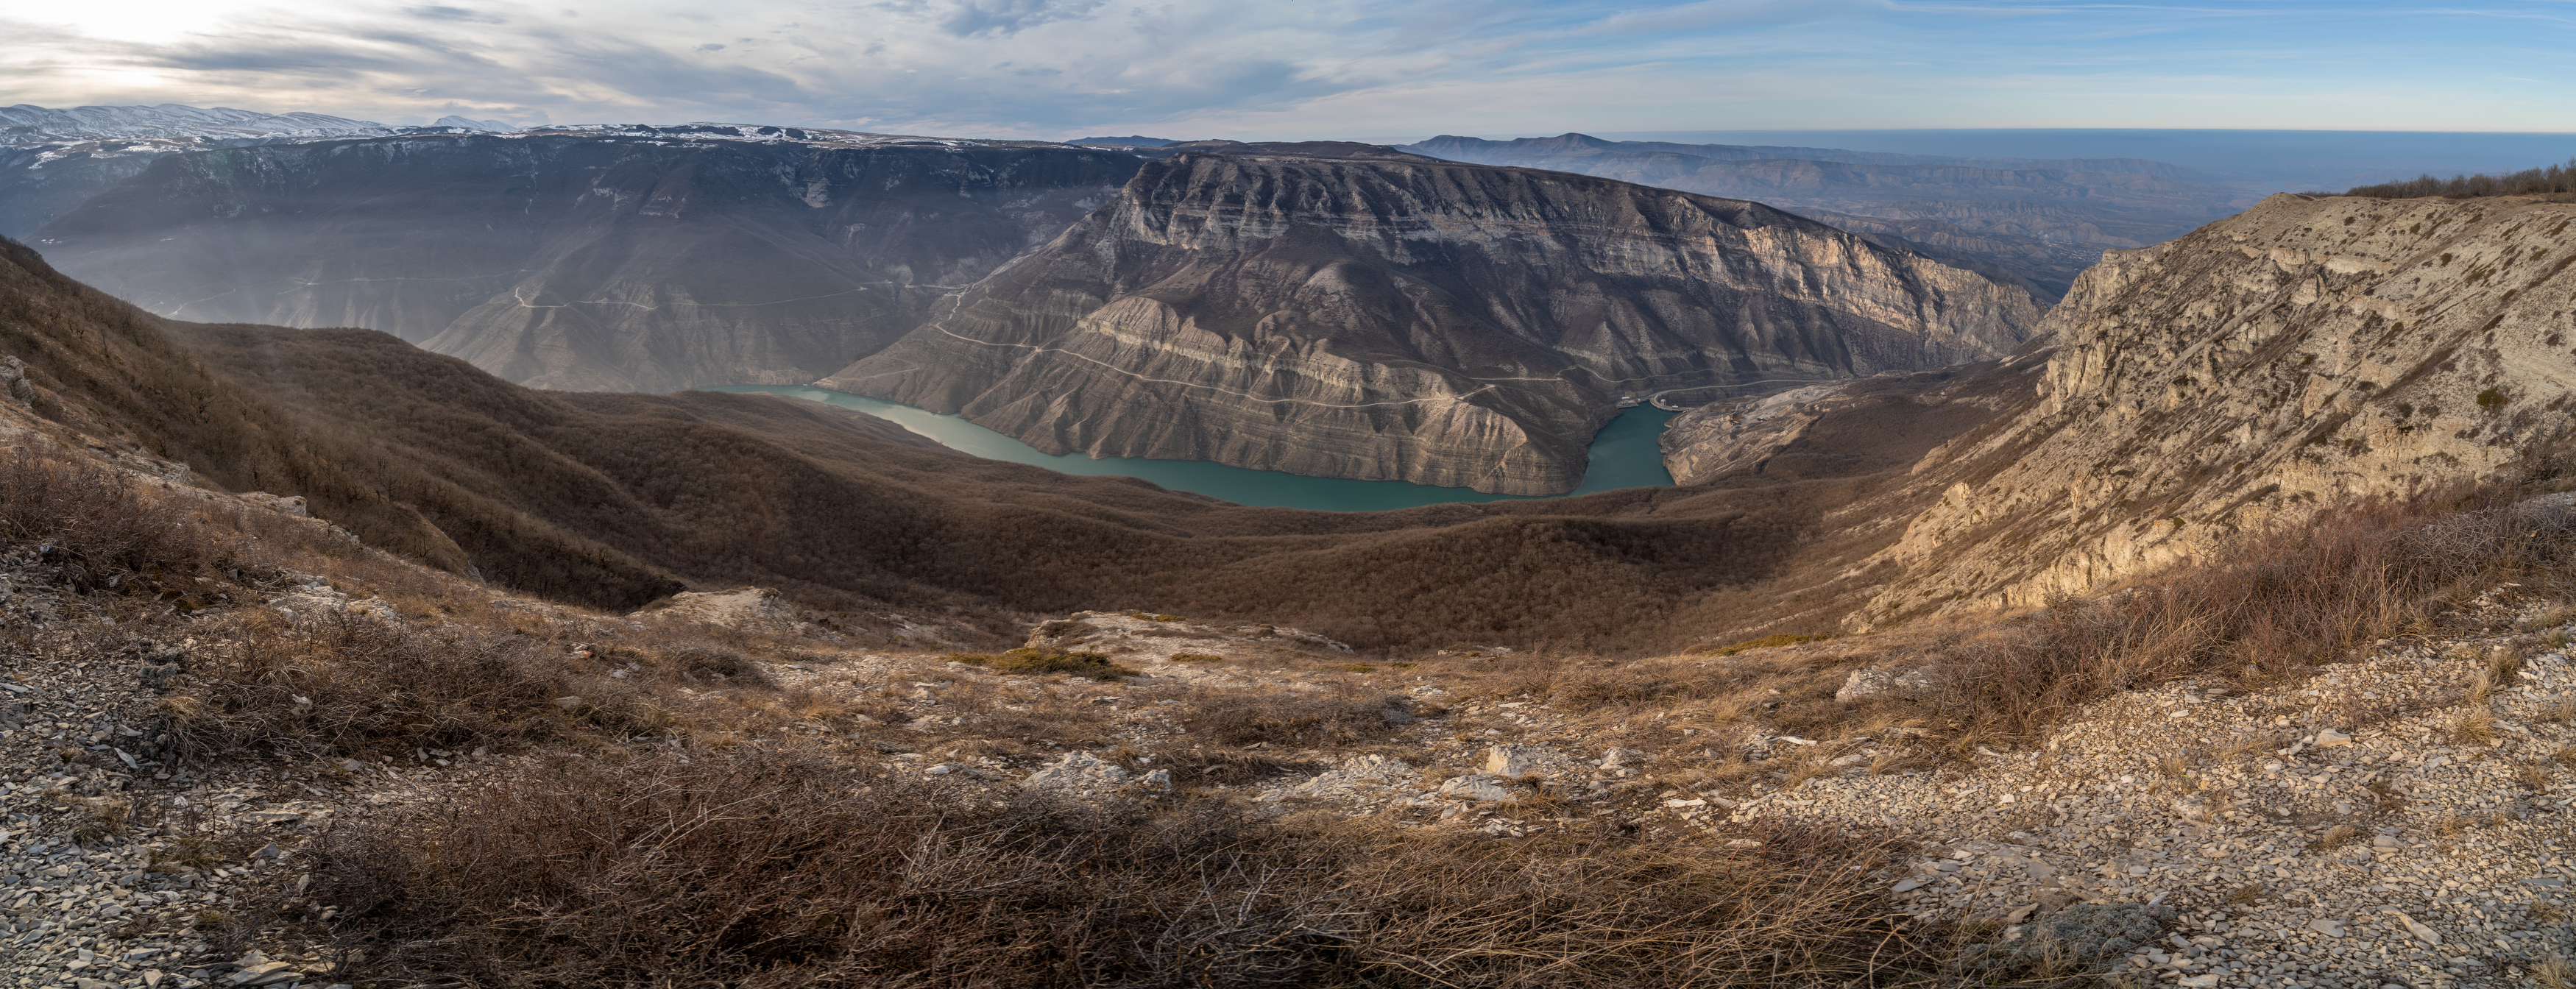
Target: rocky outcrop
x,y
2307,353
1844,428
634,259
1347,311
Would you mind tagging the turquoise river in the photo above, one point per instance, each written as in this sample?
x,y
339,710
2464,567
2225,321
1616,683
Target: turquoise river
x,y
1624,455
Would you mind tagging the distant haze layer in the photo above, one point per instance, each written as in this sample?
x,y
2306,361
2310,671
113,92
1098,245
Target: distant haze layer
x,y
2271,160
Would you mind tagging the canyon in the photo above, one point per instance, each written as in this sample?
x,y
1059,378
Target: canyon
x,y
1349,311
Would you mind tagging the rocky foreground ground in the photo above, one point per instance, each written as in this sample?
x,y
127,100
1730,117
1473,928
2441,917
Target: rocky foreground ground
x,y
2402,819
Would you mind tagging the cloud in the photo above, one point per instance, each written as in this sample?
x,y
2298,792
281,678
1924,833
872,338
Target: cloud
x,y
1312,68
969,18
459,14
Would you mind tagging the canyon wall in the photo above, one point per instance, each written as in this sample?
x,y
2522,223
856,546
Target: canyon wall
x,y
2308,353
1348,311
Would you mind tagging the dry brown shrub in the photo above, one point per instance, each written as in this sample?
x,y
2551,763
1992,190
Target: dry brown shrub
x,y
772,869
345,685
2273,606
714,662
1765,642
1033,660
1298,720
2533,776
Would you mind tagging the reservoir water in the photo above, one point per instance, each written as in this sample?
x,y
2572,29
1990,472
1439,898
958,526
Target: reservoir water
x,y
1624,455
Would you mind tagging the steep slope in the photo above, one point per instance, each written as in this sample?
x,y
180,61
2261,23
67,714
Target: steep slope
x,y
2043,220
1349,311
1883,422
611,500
2307,353
608,258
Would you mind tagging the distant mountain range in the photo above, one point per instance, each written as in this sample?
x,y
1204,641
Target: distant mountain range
x,y
25,123
2035,221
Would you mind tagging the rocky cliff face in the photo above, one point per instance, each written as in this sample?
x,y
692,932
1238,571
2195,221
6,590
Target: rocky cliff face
x,y
2307,353
1383,316
1844,428
630,259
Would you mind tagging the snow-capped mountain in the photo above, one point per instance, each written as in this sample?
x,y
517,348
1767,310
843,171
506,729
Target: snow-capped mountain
x,y
26,123
469,123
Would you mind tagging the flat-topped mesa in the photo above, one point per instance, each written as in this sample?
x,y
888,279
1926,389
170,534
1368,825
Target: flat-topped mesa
x,y
2308,353
1352,311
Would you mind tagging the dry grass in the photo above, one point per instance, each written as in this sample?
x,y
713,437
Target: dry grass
x,y
2477,724
1032,660
2534,776
2554,972
2278,604
2561,709
1765,642
1301,721
2336,837
770,869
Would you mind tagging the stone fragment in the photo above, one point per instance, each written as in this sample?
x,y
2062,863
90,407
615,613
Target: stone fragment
x,y
568,703
1741,843
1077,770
1478,788
1510,762
1872,683
2328,738
2327,926
2429,935
1620,758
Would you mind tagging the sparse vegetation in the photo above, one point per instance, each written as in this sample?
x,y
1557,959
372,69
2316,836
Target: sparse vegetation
x,y
1765,642
1032,660
724,868
2546,181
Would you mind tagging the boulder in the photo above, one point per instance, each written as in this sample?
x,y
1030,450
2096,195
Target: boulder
x,y
1478,788
1076,771
1511,762
1870,683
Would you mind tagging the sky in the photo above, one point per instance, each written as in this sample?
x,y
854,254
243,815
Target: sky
x,y
1369,70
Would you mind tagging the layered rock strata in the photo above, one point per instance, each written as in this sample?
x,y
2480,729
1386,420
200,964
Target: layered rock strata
x,y
1844,428
1369,314
2308,353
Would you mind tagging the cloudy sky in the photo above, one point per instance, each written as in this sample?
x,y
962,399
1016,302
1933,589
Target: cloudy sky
x,y
1365,69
